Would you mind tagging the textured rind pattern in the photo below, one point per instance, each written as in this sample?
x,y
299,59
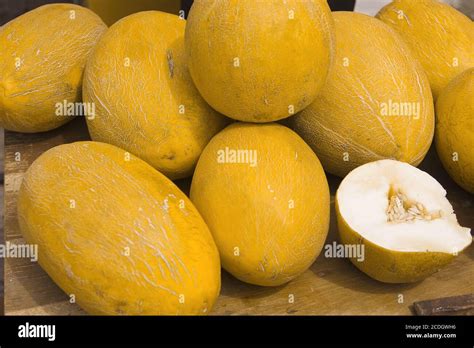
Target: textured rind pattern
x,y
117,234
440,37
455,129
269,221
42,57
346,118
252,61
145,99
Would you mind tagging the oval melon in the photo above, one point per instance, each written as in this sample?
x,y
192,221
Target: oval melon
x,y
376,104
117,234
265,198
440,37
455,129
145,100
42,58
259,61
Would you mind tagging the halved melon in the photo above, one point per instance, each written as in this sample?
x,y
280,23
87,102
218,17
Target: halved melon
x,y
402,217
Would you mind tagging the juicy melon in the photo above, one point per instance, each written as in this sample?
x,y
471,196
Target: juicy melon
x,y
145,100
376,104
42,58
440,37
265,198
259,61
455,129
117,234
401,216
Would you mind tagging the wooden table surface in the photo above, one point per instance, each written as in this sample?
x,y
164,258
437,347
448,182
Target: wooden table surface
x,y
330,286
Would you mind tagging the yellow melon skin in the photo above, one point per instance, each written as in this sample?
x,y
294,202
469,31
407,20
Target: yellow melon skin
x,y
117,234
270,218
145,99
440,37
391,266
455,129
355,118
259,61
42,58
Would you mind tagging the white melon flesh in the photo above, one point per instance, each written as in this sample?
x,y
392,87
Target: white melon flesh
x,y
401,208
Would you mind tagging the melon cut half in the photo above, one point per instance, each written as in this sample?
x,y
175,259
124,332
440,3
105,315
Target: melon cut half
x,y
402,217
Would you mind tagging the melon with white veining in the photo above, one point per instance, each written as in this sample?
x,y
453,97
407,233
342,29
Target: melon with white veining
x,y
144,97
265,198
455,129
117,234
259,61
376,104
440,37
42,58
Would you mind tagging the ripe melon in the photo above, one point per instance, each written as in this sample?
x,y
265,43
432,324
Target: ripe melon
x,y
265,198
117,234
376,104
402,219
455,129
440,37
259,61
145,100
42,58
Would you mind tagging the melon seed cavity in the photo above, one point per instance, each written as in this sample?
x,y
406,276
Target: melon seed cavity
x,y
401,209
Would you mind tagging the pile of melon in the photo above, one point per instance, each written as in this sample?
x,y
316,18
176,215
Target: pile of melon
x,y
360,97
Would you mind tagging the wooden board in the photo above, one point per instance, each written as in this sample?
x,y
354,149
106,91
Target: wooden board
x,y
330,286
2,152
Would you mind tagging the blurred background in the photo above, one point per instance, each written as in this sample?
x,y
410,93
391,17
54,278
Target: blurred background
x,y
112,10
109,10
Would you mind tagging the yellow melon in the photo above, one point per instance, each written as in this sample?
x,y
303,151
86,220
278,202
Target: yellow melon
x,y
117,234
376,104
259,61
145,101
400,218
265,198
455,129
440,37
42,58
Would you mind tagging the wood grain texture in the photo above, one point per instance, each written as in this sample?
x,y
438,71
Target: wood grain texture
x,y
329,287
2,278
